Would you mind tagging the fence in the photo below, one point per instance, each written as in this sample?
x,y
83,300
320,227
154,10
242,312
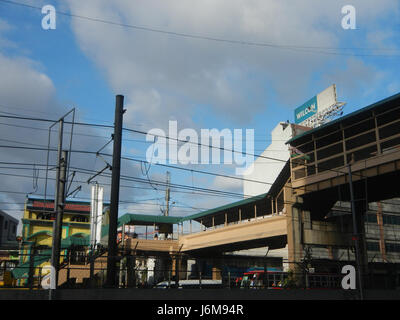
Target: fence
x,y
90,271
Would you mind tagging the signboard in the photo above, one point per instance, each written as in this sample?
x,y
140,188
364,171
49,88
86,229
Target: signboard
x,y
319,109
96,214
306,110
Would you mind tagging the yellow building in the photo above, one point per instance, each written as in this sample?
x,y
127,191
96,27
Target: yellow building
x,y
37,230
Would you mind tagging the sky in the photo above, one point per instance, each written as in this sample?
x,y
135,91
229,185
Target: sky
x,y
241,64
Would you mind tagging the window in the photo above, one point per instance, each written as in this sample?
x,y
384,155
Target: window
x,y
80,219
371,218
391,219
45,216
392,247
330,151
372,246
6,225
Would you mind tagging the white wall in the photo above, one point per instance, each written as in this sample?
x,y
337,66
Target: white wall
x,y
267,170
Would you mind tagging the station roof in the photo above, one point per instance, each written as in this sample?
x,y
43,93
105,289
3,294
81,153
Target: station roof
x,y
384,104
237,204
144,219
273,192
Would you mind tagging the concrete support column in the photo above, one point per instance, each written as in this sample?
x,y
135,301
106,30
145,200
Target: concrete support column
x,y
130,268
179,267
379,218
216,270
360,209
216,273
294,231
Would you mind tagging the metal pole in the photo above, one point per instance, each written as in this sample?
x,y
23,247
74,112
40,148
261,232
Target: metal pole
x,y
57,224
167,195
115,180
355,233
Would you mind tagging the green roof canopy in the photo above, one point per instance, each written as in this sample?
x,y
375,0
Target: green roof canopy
x,y
144,219
199,215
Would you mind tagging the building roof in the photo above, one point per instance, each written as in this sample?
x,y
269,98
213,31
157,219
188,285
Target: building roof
x,y
48,205
273,192
4,214
145,219
226,207
353,115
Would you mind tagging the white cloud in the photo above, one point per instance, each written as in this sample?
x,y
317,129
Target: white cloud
x,y
355,77
166,76
26,90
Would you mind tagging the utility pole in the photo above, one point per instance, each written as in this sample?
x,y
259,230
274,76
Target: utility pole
x,y
114,200
167,195
355,233
59,203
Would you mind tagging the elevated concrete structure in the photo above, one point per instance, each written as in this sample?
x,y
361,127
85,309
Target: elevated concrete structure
x,y
365,143
261,232
306,210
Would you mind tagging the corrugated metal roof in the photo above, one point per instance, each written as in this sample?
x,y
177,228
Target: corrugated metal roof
x,y
148,219
145,219
225,207
275,188
350,115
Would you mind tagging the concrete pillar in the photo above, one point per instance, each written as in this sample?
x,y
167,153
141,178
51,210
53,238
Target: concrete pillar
x,y
272,206
190,268
130,268
179,267
294,231
379,218
360,208
216,273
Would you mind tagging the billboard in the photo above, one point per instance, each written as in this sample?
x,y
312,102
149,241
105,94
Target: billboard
x,y
318,109
306,110
96,214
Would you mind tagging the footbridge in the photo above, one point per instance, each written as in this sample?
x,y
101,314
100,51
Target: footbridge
x,y
309,204
254,222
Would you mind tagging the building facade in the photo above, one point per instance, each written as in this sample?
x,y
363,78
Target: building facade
x,y
8,231
37,231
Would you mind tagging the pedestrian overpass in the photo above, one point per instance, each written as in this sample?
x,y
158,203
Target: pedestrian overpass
x,y
299,209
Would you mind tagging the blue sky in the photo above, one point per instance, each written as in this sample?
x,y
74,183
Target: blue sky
x,y
199,83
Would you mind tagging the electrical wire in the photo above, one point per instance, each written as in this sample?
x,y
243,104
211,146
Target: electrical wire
x,y
170,138
295,48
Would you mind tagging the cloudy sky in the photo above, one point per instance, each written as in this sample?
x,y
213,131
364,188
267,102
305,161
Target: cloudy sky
x,y
164,57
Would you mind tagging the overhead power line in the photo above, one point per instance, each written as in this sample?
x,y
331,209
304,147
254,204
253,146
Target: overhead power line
x,y
154,135
296,48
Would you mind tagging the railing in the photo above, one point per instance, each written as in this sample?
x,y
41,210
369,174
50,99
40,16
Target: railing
x,y
369,138
163,273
